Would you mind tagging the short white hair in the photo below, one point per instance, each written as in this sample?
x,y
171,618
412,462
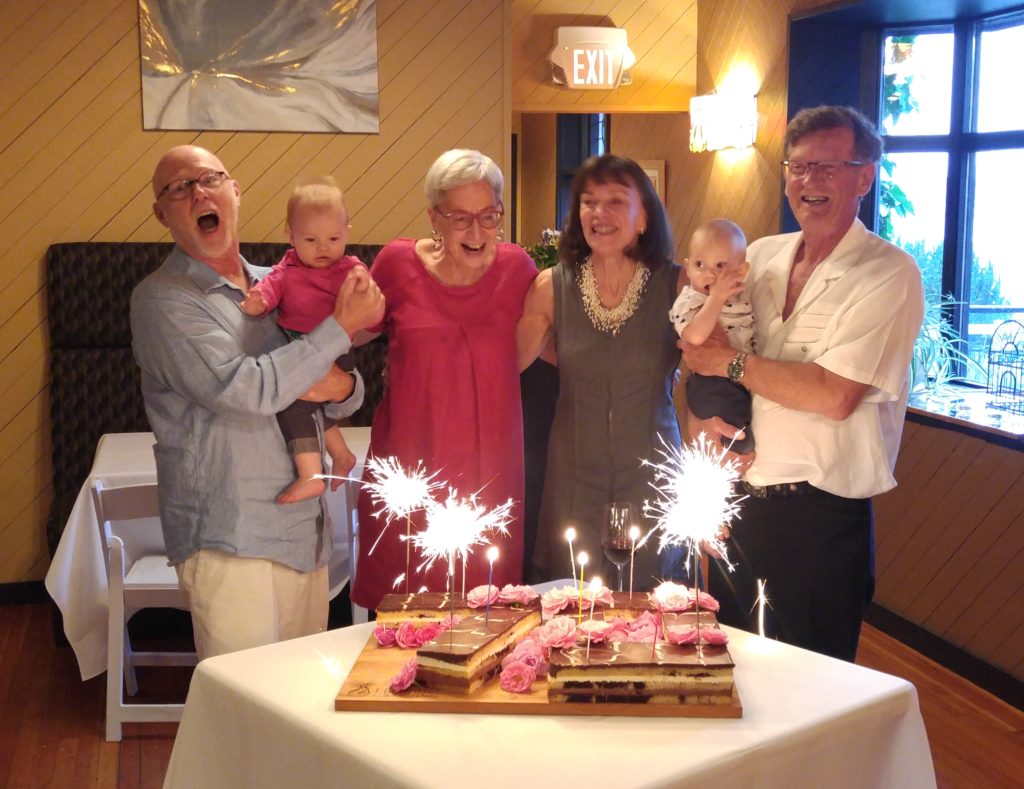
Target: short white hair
x,y
458,167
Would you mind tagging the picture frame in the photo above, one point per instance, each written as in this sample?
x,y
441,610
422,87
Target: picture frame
x,y
655,170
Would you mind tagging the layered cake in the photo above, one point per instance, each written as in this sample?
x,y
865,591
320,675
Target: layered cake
x,y
462,658
645,673
421,606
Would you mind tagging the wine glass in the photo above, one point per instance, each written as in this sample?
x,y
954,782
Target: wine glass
x,y
619,517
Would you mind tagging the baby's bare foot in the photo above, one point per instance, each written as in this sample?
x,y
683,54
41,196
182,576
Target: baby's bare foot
x,y
342,464
300,490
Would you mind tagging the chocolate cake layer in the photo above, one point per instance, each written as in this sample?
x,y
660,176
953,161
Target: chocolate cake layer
x,y
428,606
641,673
462,658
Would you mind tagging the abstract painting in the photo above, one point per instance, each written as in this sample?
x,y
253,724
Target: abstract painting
x,y
259,65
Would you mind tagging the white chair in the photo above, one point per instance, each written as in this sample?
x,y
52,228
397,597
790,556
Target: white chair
x,y
138,577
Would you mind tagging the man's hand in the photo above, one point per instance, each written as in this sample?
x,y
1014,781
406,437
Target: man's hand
x,y
334,387
360,304
717,429
710,358
253,304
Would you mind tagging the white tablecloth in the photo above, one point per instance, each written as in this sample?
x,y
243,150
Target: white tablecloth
x,y
265,718
77,580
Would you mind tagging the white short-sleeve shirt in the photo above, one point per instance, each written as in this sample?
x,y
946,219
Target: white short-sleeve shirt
x,y
736,317
858,316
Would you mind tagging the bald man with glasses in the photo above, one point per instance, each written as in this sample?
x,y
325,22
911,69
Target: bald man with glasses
x,y
213,380
837,310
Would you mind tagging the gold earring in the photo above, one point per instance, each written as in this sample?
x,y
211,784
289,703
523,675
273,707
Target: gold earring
x,y
438,240
501,232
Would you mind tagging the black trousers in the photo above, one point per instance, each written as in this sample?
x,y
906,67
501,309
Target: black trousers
x,y
713,395
815,552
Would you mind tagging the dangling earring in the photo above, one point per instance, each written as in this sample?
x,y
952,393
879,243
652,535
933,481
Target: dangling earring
x,y
438,240
501,232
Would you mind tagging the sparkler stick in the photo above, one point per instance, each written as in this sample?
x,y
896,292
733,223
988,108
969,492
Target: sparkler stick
x,y
634,532
595,587
582,559
492,554
762,601
570,535
408,548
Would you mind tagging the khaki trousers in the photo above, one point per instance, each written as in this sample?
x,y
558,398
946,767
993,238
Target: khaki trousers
x,y
239,602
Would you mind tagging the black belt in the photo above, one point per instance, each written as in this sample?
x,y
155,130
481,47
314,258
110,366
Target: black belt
x,y
781,490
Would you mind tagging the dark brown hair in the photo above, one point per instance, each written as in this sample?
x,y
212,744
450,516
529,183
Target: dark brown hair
x,y
652,247
867,143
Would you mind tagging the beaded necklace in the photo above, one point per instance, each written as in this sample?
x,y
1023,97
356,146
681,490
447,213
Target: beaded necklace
x,y
610,319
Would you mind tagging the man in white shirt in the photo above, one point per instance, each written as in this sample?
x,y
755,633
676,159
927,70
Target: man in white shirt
x,y
836,310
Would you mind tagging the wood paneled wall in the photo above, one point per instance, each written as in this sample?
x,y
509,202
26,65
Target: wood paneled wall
x,y
744,186
75,166
950,542
661,33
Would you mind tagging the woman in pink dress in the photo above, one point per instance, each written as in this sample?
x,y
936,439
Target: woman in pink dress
x,y
452,400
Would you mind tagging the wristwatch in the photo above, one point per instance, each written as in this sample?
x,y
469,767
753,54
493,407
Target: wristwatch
x,y
736,367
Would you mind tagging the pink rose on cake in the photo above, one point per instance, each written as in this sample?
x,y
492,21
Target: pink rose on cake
x,y
517,595
645,627
687,634
528,651
618,631
518,677
449,622
481,596
406,635
671,597
428,632
594,630
602,596
557,633
554,601
404,678
706,602
385,635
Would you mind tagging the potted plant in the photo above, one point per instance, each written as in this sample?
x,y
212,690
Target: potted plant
x,y
937,350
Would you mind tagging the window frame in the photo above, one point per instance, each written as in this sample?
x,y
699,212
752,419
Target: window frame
x,y
960,144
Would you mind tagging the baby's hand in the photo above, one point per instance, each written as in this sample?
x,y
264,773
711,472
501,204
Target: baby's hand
x,y
731,281
253,303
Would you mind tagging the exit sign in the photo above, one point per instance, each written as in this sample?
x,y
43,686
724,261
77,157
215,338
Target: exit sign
x,y
591,58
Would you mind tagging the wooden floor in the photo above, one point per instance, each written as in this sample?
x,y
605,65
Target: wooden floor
x,y
51,723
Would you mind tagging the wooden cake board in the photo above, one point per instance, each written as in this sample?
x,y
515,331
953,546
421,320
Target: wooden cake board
x,y
366,688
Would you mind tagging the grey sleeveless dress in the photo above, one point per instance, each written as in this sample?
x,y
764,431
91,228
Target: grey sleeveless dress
x,y
614,401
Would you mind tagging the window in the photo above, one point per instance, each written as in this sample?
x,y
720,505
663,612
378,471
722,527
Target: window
x,y
949,183
578,138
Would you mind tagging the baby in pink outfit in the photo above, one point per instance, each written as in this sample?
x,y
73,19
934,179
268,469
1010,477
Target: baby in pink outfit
x,y
304,286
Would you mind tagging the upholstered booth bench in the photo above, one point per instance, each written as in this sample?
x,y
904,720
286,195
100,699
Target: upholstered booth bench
x,y
94,382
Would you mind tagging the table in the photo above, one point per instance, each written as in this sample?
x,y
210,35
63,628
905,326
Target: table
x,y
77,579
264,717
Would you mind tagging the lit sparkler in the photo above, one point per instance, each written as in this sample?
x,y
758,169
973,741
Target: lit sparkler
x,y
695,500
455,526
399,493
695,497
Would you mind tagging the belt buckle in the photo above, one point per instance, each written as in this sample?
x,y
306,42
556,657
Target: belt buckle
x,y
757,491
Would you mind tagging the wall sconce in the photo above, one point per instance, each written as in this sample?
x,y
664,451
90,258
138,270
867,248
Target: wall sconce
x,y
591,58
722,120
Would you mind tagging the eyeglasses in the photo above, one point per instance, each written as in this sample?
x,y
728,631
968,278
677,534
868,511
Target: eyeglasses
x,y
488,219
183,187
827,170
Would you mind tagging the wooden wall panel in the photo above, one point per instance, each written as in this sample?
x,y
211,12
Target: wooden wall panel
x,y
950,542
744,186
661,33
537,140
75,166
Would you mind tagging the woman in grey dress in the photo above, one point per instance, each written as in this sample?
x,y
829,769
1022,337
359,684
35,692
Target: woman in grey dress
x,y
605,307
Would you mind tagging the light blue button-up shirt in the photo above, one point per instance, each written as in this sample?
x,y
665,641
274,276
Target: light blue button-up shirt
x,y
213,380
